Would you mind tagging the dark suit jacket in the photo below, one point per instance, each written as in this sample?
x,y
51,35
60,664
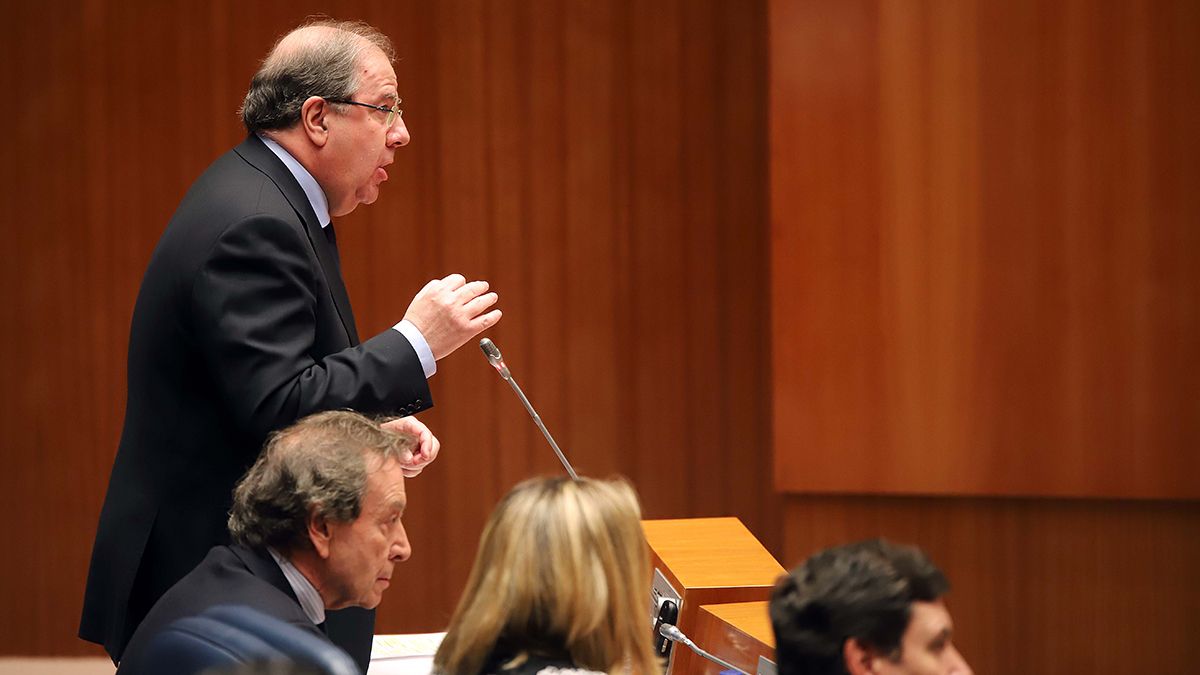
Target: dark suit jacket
x,y
228,575
242,326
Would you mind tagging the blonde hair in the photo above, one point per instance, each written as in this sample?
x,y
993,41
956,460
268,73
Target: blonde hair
x,y
562,568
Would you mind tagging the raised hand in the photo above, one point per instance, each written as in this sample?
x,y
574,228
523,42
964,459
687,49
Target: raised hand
x,y
427,444
450,311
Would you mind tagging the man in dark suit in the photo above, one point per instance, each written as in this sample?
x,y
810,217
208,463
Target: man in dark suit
x,y
242,324
317,525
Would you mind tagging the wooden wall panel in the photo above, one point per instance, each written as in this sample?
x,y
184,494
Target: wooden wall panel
x,y
1039,585
603,164
984,287
984,247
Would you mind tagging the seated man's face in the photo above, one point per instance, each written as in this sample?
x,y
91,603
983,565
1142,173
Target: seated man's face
x,y
926,648
363,553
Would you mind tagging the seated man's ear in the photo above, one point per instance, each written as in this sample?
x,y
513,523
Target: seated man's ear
x,y
319,533
859,658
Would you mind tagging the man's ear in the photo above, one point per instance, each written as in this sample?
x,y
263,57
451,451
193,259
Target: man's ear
x,y
859,658
319,533
313,120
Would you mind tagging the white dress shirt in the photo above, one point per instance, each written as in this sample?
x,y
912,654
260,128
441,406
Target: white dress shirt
x,y
306,593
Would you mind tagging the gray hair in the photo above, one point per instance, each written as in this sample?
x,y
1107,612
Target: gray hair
x,y
317,465
316,59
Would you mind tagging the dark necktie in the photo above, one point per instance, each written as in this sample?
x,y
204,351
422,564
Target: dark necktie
x,y
331,237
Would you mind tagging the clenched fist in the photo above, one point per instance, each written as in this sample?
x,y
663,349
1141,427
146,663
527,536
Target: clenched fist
x,y
427,445
450,311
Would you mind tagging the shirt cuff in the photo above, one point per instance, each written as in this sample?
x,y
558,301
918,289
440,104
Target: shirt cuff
x,y
424,353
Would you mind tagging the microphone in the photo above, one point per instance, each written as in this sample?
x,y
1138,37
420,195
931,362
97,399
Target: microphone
x,y
492,352
672,633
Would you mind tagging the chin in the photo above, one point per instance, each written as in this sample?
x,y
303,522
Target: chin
x,y
342,210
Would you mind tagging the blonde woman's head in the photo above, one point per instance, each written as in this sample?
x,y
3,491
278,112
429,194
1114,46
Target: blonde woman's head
x,y
562,572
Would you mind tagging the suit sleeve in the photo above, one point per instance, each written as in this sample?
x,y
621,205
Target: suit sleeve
x,y
255,317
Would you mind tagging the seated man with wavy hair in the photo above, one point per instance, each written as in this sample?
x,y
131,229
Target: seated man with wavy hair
x,y
871,608
559,585
315,524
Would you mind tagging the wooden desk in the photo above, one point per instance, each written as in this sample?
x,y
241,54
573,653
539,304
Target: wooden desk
x,y
738,632
711,561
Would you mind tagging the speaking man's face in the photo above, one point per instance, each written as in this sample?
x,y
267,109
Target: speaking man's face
x,y
361,143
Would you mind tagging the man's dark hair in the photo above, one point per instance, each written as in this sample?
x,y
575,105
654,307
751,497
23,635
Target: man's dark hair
x,y
323,64
863,591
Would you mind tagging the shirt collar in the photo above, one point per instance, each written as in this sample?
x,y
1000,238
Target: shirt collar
x,y
306,593
312,190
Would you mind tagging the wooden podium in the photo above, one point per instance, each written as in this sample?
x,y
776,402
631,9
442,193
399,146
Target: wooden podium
x,y
724,578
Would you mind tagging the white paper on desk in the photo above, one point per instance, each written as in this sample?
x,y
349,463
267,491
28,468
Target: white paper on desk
x,y
405,646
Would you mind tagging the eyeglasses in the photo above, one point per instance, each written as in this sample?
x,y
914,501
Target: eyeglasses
x,y
393,113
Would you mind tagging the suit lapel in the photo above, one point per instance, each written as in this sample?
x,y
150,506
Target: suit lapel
x,y
260,156
263,566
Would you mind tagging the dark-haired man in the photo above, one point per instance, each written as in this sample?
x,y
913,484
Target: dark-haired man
x,y
316,526
242,325
871,608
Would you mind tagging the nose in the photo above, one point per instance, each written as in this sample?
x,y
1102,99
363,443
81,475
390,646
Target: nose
x,y
401,549
960,666
398,136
